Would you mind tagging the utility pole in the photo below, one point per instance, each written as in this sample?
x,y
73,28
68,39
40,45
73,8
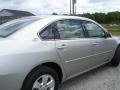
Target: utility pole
x,y
75,10
70,7
73,6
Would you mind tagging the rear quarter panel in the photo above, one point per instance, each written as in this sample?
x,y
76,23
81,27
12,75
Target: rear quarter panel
x,y
19,57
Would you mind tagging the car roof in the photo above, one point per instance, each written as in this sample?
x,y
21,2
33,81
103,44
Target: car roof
x,y
53,17
65,17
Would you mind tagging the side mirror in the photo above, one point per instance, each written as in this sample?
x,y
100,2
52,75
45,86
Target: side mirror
x,y
108,34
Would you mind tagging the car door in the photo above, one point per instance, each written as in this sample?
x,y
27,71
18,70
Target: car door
x,y
72,46
102,46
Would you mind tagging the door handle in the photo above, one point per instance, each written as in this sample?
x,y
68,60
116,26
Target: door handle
x,y
96,43
62,46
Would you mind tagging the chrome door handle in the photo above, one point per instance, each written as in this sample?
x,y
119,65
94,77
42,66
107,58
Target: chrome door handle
x,y
96,43
62,46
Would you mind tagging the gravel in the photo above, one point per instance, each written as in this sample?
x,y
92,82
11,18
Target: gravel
x,y
103,78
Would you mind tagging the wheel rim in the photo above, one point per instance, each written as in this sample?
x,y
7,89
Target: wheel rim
x,y
44,82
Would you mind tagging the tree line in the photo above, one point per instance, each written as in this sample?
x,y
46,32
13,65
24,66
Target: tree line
x,y
110,17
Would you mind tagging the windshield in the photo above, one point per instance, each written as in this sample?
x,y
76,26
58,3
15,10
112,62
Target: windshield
x,y
13,26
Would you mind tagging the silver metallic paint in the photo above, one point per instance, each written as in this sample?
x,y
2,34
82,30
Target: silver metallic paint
x,y
24,50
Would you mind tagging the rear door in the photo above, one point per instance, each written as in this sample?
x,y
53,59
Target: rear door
x,y
73,48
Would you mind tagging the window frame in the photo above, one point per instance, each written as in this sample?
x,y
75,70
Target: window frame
x,y
55,21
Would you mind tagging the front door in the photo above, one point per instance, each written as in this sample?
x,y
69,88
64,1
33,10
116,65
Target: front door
x,y
102,47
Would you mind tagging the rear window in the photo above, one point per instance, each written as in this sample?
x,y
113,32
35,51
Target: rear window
x,y
9,28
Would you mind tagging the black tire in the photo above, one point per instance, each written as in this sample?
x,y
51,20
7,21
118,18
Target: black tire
x,y
116,59
28,84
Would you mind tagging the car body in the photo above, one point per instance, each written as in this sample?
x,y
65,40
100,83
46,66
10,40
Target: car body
x,y
69,53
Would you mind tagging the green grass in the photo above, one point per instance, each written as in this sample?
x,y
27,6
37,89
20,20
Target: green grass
x,y
114,30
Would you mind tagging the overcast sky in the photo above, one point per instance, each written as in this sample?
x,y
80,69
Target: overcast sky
x,y
61,6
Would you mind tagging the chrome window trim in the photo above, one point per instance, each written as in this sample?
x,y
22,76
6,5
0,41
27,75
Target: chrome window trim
x,y
53,23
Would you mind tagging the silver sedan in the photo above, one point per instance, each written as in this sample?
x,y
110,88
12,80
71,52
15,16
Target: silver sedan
x,y
39,53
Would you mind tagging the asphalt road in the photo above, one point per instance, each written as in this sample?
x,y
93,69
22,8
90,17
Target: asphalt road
x,y
102,78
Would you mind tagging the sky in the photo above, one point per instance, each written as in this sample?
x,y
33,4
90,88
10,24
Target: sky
x,y
39,7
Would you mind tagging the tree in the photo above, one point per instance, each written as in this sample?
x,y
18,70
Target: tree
x,y
113,17
100,17
110,17
87,15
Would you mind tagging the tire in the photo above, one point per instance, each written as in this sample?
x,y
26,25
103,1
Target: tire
x,y
116,59
40,75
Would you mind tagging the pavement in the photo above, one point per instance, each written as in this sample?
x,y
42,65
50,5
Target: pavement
x,y
103,78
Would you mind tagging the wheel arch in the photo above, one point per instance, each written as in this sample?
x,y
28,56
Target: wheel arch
x,y
52,65
119,45
55,67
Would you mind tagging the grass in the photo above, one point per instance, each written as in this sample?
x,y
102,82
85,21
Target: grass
x,y
114,30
